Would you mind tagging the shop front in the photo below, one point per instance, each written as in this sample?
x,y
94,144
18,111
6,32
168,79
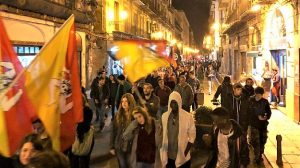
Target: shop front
x,y
279,51
28,35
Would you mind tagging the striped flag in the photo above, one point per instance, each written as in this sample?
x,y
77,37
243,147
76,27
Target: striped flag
x,y
16,111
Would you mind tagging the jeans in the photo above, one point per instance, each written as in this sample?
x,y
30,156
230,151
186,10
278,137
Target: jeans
x,y
123,159
171,164
144,165
258,140
101,114
186,108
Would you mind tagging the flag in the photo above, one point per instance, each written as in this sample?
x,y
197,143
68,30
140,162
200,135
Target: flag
x,y
140,58
53,86
16,112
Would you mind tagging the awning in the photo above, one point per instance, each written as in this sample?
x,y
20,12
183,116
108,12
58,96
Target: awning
x,y
253,54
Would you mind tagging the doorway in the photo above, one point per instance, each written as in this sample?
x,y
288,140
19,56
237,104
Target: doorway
x,y
279,61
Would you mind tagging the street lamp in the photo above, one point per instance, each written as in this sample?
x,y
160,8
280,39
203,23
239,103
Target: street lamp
x,y
123,15
256,7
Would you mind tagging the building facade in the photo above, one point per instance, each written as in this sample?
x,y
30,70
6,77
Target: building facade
x,y
254,32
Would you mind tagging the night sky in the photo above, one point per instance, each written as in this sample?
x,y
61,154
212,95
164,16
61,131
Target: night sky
x,y
197,12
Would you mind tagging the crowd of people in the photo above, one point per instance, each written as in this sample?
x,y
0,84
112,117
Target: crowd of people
x,y
153,126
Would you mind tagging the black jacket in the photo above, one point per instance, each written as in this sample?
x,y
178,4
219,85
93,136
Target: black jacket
x,y
239,109
224,90
234,155
152,105
260,107
101,93
248,91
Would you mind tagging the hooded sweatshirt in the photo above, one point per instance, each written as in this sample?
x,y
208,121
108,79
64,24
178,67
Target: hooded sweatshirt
x,y
186,134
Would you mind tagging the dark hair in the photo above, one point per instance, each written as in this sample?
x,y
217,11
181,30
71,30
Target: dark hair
x,y
237,86
35,140
121,77
37,121
259,90
182,76
49,159
101,78
202,115
226,79
160,79
221,112
149,84
249,79
84,126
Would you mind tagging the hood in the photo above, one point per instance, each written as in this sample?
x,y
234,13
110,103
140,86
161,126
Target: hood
x,y
175,96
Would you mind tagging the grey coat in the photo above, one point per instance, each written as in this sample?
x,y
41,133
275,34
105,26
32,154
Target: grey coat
x,y
131,134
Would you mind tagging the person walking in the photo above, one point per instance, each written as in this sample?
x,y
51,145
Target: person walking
x,y
248,89
259,116
186,92
101,100
145,134
120,123
225,146
123,87
149,100
195,84
163,92
224,90
179,133
93,94
210,73
84,142
113,86
239,110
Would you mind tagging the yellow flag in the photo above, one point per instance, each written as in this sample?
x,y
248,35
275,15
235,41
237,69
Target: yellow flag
x,y
139,59
43,80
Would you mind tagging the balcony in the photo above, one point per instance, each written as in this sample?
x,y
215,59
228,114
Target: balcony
x,y
55,8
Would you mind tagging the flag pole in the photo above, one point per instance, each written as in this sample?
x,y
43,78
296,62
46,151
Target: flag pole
x,y
2,95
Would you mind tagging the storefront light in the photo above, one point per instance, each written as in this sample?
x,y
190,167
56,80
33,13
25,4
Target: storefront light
x,y
256,7
123,15
110,15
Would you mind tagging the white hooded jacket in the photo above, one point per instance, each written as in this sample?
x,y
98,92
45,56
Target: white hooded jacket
x,y
187,132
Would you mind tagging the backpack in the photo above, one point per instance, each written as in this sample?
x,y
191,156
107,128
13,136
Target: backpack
x,y
83,148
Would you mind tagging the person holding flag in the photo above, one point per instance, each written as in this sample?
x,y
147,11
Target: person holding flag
x,y
49,87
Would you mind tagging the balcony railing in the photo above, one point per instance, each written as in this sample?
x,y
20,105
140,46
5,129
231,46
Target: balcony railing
x,y
56,8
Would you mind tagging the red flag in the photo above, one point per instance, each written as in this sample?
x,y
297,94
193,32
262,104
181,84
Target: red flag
x,y
70,119
16,112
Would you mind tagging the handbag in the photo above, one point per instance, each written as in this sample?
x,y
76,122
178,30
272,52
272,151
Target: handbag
x,y
83,148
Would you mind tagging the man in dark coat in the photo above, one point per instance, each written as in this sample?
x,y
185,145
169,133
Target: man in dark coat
x,y
123,87
150,101
248,89
224,90
239,109
259,116
101,99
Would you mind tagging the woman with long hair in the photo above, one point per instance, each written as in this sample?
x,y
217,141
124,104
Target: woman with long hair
x,y
84,142
123,118
30,146
145,134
